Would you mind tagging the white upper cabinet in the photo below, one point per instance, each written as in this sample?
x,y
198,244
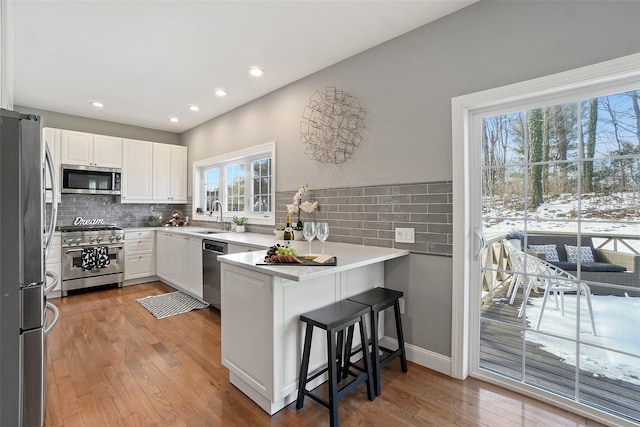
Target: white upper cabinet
x,y
169,173
77,148
153,172
80,148
51,137
161,171
137,166
107,151
179,173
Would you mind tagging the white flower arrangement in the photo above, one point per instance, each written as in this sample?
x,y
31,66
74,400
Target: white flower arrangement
x,y
295,207
309,207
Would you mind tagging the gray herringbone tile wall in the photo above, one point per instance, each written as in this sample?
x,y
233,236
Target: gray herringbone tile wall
x,y
110,209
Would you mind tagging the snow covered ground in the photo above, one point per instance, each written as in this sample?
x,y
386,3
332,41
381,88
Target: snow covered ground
x,y
615,214
617,319
617,322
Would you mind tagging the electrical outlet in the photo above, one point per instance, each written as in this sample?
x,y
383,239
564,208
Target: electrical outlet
x,y
405,235
401,304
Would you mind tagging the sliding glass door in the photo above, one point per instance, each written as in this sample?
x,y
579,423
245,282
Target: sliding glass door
x,y
559,208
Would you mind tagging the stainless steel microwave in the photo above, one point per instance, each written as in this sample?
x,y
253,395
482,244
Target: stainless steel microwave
x,y
90,180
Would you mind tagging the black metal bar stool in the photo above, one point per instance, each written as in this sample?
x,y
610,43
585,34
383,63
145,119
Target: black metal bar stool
x,y
378,299
334,319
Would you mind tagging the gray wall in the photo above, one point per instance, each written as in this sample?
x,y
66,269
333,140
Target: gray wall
x,y
100,127
406,86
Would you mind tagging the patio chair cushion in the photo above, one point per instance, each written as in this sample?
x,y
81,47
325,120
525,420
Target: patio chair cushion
x,y
601,267
550,251
585,255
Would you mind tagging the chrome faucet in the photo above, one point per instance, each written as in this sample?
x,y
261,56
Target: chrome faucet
x,y
219,205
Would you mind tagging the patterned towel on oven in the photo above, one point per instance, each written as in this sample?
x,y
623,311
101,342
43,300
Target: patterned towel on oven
x,y
95,258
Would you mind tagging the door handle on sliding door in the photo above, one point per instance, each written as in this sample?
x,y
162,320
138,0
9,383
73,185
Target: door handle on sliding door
x,y
482,242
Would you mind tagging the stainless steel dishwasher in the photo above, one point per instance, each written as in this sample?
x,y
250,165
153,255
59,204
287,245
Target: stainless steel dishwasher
x,y
211,271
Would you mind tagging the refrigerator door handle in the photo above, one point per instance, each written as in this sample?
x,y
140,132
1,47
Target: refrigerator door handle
x,y
53,284
56,316
54,200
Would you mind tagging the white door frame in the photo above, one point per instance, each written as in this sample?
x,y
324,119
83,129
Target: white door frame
x,y
622,72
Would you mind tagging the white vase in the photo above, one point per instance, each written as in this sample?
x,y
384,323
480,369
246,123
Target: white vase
x,y
240,228
297,235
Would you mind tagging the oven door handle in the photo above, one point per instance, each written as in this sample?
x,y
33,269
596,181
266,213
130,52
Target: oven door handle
x,y
69,251
56,316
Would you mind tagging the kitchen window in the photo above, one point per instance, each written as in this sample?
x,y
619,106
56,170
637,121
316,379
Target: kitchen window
x,y
243,182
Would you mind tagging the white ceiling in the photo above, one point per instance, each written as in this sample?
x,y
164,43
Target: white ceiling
x,y
149,60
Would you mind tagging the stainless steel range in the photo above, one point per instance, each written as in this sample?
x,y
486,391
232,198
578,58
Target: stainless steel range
x,y
92,255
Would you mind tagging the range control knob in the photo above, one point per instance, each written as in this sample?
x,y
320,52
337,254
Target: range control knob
x,y
92,239
99,238
112,238
118,237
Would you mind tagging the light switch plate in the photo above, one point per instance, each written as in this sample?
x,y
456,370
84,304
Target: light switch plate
x,y
405,235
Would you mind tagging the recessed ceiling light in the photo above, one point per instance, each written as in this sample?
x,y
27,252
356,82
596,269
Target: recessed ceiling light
x,y
256,71
173,119
194,107
221,92
97,104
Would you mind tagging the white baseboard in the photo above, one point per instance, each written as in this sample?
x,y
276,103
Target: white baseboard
x,y
422,357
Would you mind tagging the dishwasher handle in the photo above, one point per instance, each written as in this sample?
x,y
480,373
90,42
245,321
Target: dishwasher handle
x,y
215,247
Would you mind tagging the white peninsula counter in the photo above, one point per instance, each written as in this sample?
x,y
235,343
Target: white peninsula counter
x,y
261,332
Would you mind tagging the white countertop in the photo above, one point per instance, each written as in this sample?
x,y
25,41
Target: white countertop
x,y
247,239
348,257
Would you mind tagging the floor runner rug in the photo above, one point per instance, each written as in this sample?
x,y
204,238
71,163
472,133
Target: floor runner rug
x,y
170,304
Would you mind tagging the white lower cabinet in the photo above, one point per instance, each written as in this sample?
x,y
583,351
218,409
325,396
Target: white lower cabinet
x,y
179,262
54,265
139,260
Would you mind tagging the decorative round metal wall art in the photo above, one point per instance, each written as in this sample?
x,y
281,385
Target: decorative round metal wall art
x,y
331,125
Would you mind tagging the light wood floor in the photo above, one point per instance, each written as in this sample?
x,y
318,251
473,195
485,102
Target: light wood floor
x,y
110,363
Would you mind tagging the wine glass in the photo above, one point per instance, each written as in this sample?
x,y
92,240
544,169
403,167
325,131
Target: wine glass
x,y
322,232
309,232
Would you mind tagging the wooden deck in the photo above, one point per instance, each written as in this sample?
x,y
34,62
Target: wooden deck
x,y
501,350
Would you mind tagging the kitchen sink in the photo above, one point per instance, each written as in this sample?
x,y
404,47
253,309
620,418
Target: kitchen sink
x,y
210,232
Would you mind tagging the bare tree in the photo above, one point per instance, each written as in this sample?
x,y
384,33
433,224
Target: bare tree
x,y
535,142
622,149
636,109
587,181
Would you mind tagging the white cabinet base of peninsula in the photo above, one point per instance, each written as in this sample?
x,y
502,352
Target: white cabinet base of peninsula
x,y
262,334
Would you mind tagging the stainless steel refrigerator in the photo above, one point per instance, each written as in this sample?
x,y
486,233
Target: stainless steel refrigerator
x,y
24,243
